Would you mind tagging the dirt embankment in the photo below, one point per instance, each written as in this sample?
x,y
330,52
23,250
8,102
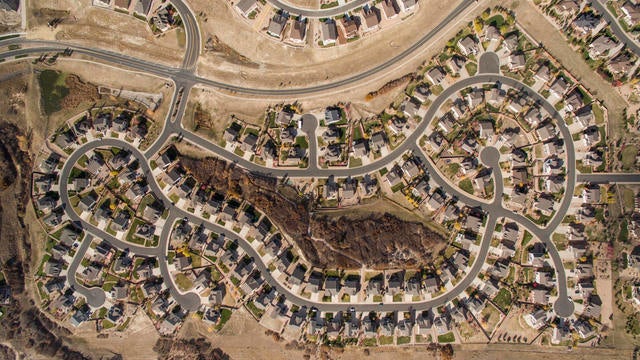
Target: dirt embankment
x,y
377,241
192,349
382,239
24,327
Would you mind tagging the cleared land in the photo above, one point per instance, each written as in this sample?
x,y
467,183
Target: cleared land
x,y
83,24
276,63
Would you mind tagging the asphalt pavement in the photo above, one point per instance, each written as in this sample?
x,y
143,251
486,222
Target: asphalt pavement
x,y
37,47
489,63
317,13
95,295
194,41
494,209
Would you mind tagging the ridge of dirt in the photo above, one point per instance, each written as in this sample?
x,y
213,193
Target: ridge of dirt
x,y
378,241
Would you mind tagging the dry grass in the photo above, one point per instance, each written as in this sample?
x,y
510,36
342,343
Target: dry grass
x,y
117,32
381,206
540,28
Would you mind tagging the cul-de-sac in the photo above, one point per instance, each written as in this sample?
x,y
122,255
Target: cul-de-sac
x,y
318,179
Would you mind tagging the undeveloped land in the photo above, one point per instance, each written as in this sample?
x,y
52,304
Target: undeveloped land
x,y
378,240
92,26
277,62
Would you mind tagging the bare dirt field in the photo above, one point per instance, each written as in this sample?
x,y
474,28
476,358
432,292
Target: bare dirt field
x,y
135,343
242,338
277,63
88,25
100,75
221,107
9,21
309,4
382,205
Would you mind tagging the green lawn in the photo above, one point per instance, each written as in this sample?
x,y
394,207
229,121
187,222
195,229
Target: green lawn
x,y
447,338
131,235
370,342
503,299
254,310
598,114
355,162
53,90
183,282
526,238
628,199
106,324
403,340
302,142
385,340
472,68
225,314
466,185
451,170
560,240
628,155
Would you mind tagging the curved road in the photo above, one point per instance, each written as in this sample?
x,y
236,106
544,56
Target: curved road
x,y
194,41
95,295
186,76
317,13
563,306
189,301
615,27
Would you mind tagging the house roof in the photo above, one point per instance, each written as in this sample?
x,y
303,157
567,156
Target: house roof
x,y
298,30
276,25
246,5
329,31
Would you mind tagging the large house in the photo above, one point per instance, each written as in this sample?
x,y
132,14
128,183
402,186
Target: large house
x,y
246,7
468,45
329,32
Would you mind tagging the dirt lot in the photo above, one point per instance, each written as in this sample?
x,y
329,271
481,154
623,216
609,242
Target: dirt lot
x,y
115,78
135,343
83,24
232,339
9,21
219,108
277,62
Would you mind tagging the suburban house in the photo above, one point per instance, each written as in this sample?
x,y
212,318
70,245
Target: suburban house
x,y
246,7
298,31
468,46
276,25
350,27
435,75
631,11
329,32
603,46
371,18
390,8
588,24
408,5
